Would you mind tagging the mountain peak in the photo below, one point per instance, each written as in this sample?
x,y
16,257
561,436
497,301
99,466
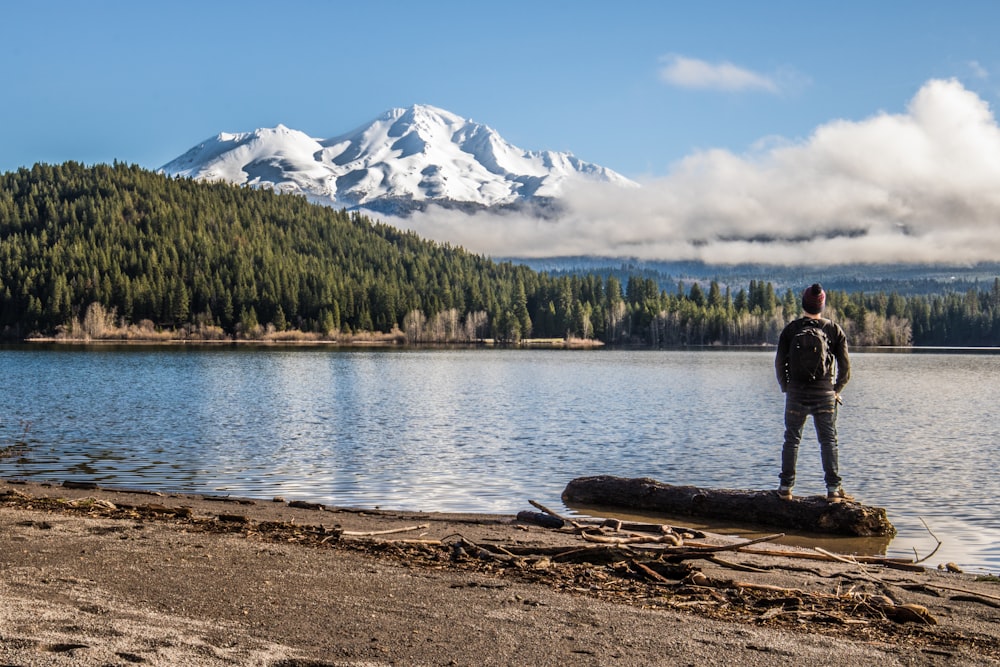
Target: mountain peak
x,y
404,159
417,109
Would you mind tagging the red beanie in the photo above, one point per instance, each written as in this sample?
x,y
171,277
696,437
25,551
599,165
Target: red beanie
x,y
813,299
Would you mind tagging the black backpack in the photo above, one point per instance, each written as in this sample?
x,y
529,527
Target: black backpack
x,y
809,357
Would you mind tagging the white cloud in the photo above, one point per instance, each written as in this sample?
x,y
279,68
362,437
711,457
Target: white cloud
x,y
694,73
978,70
920,186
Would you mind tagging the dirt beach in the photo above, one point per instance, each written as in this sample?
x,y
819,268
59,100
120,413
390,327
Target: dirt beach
x,y
110,577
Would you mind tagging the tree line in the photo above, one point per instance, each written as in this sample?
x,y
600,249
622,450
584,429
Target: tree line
x,y
116,251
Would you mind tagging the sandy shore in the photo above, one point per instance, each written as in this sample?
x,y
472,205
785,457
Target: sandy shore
x,y
106,577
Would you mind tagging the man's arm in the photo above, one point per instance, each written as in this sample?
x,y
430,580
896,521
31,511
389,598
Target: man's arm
x,y
843,361
781,361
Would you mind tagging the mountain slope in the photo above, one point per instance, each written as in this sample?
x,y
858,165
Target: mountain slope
x,y
402,160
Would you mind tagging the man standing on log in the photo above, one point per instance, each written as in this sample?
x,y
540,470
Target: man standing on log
x,y
808,350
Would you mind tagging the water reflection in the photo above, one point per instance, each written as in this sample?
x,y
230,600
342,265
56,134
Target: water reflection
x,y
482,430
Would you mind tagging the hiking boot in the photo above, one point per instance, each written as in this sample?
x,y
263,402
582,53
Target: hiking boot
x,y
837,495
785,492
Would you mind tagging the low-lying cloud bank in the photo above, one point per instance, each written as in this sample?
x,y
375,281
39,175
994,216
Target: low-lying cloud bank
x,y
922,186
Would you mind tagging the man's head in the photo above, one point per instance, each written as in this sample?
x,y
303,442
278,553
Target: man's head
x,y
813,299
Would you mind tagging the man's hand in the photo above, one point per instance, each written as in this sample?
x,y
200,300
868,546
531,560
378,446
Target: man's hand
x,y
839,400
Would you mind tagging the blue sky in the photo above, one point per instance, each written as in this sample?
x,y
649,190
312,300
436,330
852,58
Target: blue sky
x,y
142,82
762,131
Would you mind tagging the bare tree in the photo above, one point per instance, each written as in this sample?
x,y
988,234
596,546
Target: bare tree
x,y
97,322
413,325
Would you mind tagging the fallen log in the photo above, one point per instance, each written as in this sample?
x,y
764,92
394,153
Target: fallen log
x,y
813,514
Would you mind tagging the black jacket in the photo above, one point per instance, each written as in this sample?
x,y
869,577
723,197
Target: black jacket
x,y
838,348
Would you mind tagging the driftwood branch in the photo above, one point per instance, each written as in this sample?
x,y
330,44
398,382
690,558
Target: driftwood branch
x,y
631,539
736,546
373,533
556,515
892,563
734,566
931,533
792,592
995,599
650,572
548,511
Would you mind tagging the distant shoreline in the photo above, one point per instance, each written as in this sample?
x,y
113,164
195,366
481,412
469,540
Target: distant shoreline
x,y
389,342
553,343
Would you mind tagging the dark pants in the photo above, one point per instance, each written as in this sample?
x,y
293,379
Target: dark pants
x,y
824,413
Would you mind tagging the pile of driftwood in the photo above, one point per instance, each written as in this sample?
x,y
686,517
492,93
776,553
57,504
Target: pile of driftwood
x,y
653,565
663,554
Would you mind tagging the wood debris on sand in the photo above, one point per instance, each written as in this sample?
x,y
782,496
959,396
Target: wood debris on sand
x,y
660,566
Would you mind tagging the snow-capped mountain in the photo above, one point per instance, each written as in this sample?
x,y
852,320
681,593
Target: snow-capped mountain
x,y
401,161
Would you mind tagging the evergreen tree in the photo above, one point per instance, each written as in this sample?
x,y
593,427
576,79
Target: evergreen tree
x,y
521,309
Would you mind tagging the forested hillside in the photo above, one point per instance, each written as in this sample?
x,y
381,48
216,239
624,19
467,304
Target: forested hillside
x,y
115,251
176,254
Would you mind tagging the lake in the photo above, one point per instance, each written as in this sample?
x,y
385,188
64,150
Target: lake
x,y
487,430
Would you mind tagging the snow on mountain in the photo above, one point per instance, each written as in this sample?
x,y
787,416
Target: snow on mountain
x,y
402,160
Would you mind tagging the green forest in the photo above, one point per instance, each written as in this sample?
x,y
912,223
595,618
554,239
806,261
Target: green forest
x,y
120,252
